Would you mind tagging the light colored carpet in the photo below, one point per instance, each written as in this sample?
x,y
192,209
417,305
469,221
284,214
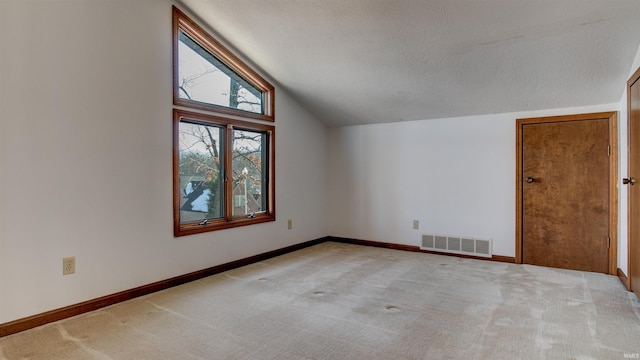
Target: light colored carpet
x,y
338,301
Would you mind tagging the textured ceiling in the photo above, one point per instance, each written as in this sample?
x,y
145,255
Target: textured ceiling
x,y
372,61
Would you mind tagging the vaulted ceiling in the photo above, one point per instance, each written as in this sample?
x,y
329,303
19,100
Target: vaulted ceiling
x,y
372,61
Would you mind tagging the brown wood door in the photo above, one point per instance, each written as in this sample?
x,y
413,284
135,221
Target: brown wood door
x,y
565,194
634,190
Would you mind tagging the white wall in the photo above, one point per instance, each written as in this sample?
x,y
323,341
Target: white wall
x,y
85,158
456,176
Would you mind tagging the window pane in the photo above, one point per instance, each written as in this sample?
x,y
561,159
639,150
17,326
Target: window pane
x,y
204,78
200,172
249,172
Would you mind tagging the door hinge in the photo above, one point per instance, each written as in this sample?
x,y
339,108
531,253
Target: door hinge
x,y
608,243
608,150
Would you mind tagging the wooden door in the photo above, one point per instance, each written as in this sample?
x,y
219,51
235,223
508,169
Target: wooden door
x,y
565,186
633,93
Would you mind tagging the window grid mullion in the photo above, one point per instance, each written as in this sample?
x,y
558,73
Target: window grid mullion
x,y
228,172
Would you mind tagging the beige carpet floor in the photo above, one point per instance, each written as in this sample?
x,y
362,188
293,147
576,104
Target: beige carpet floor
x,y
338,301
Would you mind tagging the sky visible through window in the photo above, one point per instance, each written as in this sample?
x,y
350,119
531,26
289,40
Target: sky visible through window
x,y
202,81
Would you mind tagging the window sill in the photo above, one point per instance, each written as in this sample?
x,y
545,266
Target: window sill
x,y
195,228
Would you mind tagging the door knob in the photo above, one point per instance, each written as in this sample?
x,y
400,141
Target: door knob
x,y
630,181
530,179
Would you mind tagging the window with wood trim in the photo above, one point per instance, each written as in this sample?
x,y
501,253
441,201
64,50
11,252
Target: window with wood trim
x,y
223,172
207,76
223,166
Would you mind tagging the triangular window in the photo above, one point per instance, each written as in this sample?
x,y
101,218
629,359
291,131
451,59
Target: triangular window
x,y
209,77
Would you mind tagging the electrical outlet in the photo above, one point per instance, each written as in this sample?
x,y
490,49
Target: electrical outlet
x,y
289,224
416,224
69,265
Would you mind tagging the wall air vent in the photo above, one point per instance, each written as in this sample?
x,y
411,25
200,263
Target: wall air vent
x,y
457,245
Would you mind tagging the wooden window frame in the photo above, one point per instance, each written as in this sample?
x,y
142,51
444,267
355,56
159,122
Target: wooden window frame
x,y
228,119
202,37
228,220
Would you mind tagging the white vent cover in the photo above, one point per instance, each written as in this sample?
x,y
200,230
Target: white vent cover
x,y
457,245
